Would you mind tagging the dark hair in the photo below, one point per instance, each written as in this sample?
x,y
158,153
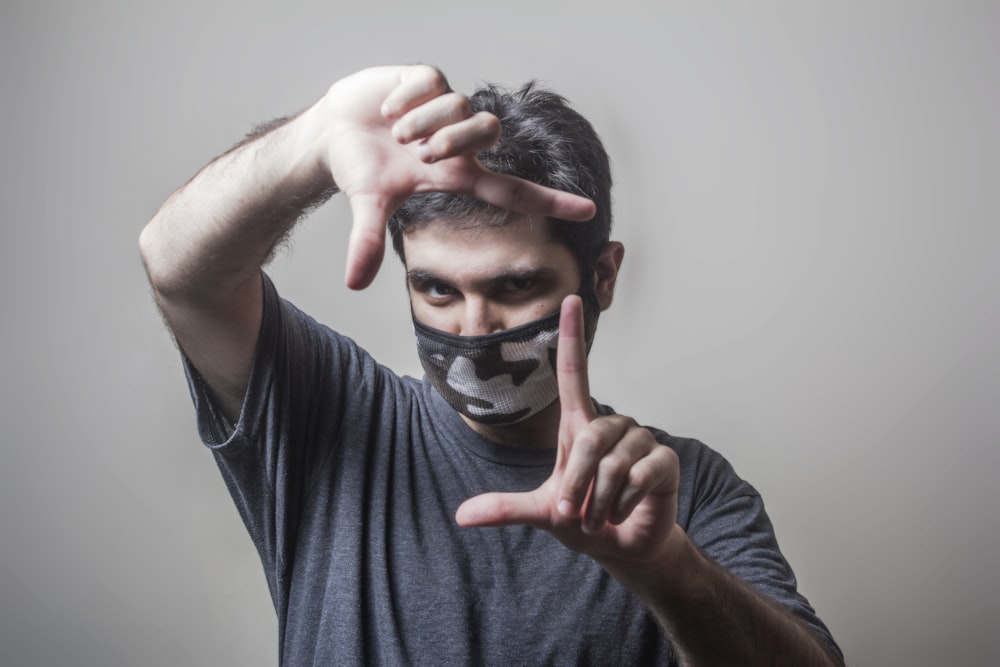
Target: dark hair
x,y
544,141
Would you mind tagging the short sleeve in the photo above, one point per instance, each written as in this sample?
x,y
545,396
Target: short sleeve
x,y
306,382
725,517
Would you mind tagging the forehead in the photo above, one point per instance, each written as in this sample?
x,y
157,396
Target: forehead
x,y
446,248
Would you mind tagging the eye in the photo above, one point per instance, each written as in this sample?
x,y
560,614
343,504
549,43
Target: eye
x,y
519,284
435,290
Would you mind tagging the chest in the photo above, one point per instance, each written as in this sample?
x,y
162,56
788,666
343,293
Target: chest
x,y
383,574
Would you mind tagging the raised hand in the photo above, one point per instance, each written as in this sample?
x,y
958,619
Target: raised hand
x,y
396,131
613,491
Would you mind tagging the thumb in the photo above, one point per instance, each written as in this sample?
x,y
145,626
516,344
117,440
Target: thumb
x,y
502,509
366,246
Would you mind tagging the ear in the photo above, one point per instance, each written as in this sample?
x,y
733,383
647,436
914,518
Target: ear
x,y
609,261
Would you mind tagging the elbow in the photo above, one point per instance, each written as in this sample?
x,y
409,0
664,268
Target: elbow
x,y
153,251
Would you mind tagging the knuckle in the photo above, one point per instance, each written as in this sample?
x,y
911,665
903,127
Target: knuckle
x,y
569,365
666,456
590,442
459,104
640,476
439,81
489,123
504,508
630,425
613,427
643,438
661,466
518,197
613,466
443,143
432,78
621,421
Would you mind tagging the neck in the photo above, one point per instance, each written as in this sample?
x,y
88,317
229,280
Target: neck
x,y
540,431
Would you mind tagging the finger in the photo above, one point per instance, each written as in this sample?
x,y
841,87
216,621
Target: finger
x,y
366,246
432,116
521,196
417,85
614,474
571,362
593,445
576,409
656,473
467,137
503,509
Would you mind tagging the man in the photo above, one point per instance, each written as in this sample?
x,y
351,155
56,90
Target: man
x,y
493,513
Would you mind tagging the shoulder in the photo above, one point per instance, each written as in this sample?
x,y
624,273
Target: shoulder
x,y
311,364
289,332
701,461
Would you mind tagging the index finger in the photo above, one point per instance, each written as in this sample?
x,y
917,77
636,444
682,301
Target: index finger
x,y
417,84
521,196
571,361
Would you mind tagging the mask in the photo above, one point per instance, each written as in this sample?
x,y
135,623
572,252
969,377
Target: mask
x,y
499,378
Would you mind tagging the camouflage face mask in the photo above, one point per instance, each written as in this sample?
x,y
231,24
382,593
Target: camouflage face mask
x,y
499,378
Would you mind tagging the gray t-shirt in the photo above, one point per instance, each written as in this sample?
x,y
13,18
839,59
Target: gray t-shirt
x,y
348,476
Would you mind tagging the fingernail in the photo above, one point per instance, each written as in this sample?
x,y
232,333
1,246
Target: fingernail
x,y
424,152
591,526
565,508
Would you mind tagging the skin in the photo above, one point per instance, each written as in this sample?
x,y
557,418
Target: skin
x,y
480,280
517,274
378,137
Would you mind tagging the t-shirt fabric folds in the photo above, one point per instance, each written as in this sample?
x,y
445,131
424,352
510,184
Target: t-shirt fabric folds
x,y
348,476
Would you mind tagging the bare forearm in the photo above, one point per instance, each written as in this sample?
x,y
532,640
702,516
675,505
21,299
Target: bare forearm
x,y
204,248
212,235
714,618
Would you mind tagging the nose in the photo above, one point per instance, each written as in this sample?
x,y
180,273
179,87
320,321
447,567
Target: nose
x,y
480,318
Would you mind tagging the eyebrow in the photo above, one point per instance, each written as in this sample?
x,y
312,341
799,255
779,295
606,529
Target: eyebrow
x,y
418,275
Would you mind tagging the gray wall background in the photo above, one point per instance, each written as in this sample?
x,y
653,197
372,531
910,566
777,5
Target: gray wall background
x,y
808,194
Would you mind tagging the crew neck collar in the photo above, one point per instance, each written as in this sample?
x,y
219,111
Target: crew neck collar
x,y
447,418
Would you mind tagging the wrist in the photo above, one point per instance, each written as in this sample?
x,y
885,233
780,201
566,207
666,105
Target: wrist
x,y
309,146
667,574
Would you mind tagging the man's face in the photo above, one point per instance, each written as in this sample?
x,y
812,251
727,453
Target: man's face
x,y
482,279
